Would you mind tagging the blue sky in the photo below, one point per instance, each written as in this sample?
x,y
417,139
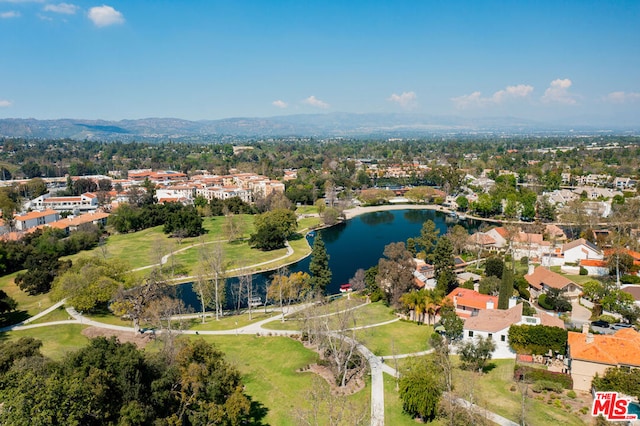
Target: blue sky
x,y
541,60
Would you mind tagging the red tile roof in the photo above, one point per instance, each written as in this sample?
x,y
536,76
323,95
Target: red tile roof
x,y
471,298
542,275
621,348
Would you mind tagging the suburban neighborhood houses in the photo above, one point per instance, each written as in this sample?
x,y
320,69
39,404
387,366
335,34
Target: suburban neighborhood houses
x,y
538,272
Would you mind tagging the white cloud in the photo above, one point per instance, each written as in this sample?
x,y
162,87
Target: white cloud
x,y
64,8
558,92
475,99
315,102
5,103
10,14
405,100
469,101
280,104
103,16
512,92
622,97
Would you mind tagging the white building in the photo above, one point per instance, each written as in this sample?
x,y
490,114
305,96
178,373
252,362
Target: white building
x,y
495,323
37,218
78,204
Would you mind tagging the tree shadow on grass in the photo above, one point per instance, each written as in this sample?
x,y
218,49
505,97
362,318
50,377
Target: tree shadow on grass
x,y
257,413
490,366
14,317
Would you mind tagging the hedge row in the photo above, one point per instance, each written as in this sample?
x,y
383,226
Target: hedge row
x,y
532,375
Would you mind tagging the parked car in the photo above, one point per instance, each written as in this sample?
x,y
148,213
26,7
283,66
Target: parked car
x,y
620,325
600,323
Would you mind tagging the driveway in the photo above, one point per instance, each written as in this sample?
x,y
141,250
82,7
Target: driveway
x,y
579,314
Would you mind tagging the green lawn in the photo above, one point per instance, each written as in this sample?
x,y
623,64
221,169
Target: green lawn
x,y
268,366
493,391
27,305
398,338
229,322
56,340
59,314
306,210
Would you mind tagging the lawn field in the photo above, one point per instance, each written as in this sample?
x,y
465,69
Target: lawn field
x,y
269,367
497,392
400,337
56,340
27,305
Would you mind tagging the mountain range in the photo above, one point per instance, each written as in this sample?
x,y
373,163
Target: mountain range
x,y
304,125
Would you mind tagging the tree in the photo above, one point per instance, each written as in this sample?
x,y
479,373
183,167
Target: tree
x,y
489,285
184,222
451,322
357,282
288,288
463,203
110,383
133,303
273,228
475,355
420,389
443,265
506,289
459,237
232,227
42,268
428,236
319,266
395,272
90,282
493,267
7,304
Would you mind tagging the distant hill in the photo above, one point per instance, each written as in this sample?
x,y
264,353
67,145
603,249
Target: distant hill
x,y
307,125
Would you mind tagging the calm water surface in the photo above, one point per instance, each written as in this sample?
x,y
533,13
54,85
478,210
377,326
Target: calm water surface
x,y
356,243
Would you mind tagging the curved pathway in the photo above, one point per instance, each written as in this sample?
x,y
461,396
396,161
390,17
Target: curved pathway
x,y
376,363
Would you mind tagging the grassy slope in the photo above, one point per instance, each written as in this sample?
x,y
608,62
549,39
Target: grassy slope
x,y
493,391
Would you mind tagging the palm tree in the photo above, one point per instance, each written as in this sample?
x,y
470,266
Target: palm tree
x,y
434,300
421,305
410,301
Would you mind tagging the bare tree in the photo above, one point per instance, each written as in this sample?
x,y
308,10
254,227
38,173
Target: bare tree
x,y
357,281
331,409
333,331
211,276
133,303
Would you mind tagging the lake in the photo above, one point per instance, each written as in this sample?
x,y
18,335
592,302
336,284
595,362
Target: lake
x,y
356,243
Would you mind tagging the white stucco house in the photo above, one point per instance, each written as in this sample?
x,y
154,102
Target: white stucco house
x,y
581,249
495,323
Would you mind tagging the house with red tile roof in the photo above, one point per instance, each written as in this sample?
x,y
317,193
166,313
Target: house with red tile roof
x,y
595,267
34,219
589,354
469,302
541,280
72,223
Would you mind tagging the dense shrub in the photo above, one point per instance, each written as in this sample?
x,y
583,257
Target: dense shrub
x,y
532,375
583,271
630,279
621,379
608,318
546,385
537,339
542,301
